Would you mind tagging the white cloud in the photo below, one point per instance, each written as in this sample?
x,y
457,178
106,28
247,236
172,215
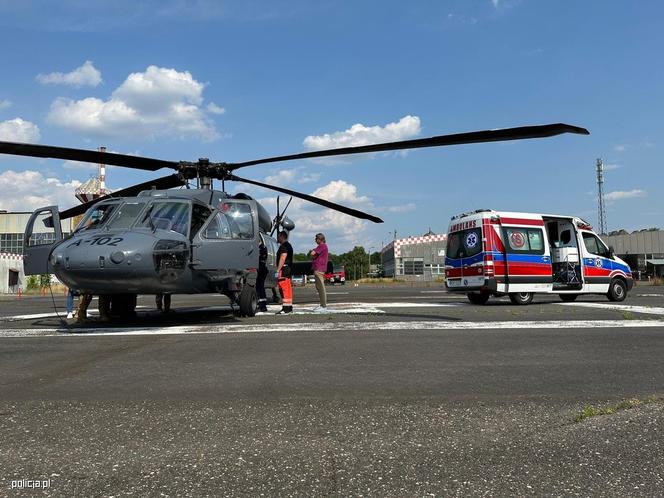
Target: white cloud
x,y
4,104
19,130
611,167
342,231
359,134
341,192
29,190
402,208
157,102
620,148
495,3
85,75
215,109
286,177
618,195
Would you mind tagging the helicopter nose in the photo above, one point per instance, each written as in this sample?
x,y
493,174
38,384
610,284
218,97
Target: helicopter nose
x,y
98,266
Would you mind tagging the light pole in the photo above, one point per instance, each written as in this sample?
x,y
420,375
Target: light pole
x,y
370,249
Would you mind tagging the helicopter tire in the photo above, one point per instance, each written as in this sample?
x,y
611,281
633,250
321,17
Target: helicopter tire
x,y
248,301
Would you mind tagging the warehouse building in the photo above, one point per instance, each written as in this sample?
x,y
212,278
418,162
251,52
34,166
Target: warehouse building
x,y
415,258
642,250
12,226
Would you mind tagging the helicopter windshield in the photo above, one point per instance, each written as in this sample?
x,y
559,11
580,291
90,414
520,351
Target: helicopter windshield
x,y
167,215
125,215
96,216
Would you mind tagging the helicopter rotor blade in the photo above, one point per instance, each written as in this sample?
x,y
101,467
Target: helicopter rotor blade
x,y
499,135
87,156
162,183
310,198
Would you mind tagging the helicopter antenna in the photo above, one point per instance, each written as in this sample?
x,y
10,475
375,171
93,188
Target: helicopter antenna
x,y
275,223
280,216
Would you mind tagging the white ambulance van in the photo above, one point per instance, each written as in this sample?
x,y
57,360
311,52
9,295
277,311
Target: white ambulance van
x,y
494,253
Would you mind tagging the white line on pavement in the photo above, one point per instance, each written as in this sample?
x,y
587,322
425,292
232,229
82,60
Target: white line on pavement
x,y
647,310
335,327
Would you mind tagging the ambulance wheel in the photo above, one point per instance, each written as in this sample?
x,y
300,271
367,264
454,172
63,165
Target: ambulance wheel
x,y
521,298
248,301
617,290
568,298
478,297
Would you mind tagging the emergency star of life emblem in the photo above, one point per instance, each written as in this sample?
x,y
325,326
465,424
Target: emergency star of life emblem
x,y
598,262
471,240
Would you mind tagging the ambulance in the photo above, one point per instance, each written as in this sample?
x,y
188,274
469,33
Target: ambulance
x,y
495,253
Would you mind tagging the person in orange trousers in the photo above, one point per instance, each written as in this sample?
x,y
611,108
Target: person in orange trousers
x,y
283,273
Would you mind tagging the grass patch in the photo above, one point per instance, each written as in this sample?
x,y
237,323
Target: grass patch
x,y
628,315
627,404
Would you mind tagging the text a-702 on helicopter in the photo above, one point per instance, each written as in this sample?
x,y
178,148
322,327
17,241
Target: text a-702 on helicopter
x,y
155,238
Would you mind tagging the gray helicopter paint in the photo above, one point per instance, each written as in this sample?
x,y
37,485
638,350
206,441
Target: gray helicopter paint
x,y
107,261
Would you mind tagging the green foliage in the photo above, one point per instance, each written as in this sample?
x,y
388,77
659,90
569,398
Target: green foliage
x,y
356,261
593,411
44,280
33,282
38,281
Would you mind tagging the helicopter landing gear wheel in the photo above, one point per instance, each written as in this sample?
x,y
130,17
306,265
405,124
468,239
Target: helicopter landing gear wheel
x,y
248,301
123,305
521,298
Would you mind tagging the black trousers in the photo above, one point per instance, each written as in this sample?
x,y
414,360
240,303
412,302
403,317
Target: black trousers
x,y
260,285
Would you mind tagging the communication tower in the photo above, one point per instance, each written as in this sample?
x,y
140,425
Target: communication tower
x,y
601,213
94,188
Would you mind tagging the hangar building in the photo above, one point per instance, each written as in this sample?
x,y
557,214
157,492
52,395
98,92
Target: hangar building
x,y
12,226
415,258
642,250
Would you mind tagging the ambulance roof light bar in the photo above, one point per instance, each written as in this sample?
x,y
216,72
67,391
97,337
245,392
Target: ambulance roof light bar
x,y
462,215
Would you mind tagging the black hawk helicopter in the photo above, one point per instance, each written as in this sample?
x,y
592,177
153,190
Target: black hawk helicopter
x,y
151,238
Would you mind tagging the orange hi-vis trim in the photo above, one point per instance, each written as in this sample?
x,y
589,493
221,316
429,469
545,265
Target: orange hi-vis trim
x,y
287,289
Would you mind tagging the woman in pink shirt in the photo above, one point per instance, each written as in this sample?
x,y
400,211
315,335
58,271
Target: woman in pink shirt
x,y
319,266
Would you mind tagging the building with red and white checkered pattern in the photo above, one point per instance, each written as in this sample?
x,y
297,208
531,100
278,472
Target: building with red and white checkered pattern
x,y
416,257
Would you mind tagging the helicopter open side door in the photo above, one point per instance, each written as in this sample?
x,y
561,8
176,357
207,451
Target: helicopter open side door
x,y
42,233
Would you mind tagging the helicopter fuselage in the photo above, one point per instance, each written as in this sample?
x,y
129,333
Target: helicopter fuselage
x,y
169,241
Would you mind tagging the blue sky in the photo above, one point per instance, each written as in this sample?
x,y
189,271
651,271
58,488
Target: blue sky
x,y
238,80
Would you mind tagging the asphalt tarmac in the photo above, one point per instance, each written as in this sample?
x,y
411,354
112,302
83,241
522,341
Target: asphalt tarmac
x,y
398,391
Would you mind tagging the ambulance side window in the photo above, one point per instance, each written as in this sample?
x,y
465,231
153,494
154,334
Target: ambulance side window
x,y
524,240
594,245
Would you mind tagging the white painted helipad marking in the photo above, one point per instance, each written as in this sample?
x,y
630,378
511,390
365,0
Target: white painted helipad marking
x,y
650,295
647,310
301,309
333,327
434,292
34,316
336,293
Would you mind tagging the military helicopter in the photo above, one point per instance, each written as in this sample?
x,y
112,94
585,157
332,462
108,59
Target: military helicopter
x,y
152,238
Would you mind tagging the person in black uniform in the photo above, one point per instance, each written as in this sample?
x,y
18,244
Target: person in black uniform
x,y
283,273
262,274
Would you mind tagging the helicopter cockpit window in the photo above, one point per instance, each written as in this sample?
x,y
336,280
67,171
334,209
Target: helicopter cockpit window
x,y
97,216
173,216
125,215
199,216
218,228
240,219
